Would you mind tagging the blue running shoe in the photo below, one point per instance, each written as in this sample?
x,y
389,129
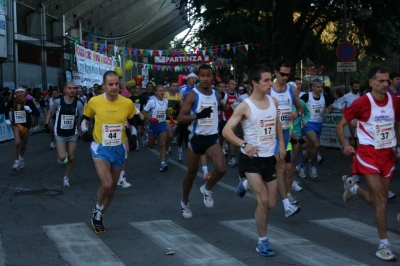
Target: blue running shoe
x,y
164,167
145,143
240,190
264,249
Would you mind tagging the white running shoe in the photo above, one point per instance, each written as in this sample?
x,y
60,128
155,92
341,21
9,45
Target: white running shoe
x,y
66,182
384,253
52,145
16,166
169,150
179,156
350,182
174,140
391,195
302,171
296,187
313,172
232,162
344,177
21,163
292,210
123,183
357,178
208,200
292,199
186,212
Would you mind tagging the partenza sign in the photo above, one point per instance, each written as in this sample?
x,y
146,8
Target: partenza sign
x,y
188,59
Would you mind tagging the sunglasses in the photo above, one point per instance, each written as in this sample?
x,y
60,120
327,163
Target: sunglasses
x,y
284,74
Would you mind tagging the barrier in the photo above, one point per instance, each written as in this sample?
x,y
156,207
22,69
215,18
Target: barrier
x,y
6,132
328,136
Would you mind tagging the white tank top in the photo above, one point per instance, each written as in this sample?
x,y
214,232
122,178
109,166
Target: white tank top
x,y
260,128
205,126
285,102
378,131
316,108
159,109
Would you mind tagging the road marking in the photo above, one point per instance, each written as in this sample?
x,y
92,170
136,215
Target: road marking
x,y
359,230
79,245
302,250
228,187
190,248
2,252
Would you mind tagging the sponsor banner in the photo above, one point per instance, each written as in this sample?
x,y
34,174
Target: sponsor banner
x,y
5,130
82,79
90,62
183,59
2,25
328,136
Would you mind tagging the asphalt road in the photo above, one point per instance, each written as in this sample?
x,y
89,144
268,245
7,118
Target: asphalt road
x,y
42,223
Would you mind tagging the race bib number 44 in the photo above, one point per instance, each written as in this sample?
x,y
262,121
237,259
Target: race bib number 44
x,y
266,130
19,117
112,134
384,136
67,121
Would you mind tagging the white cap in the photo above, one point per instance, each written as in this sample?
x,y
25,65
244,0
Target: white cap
x,y
192,75
241,88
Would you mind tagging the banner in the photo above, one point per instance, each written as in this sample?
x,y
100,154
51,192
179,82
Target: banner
x,y
328,136
183,59
5,130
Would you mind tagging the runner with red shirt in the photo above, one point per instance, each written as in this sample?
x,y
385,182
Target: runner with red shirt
x,y
378,132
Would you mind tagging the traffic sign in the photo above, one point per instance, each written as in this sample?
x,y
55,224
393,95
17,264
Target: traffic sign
x,y
346,51
346,66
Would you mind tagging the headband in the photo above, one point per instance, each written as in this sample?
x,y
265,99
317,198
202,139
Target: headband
x,y
19,89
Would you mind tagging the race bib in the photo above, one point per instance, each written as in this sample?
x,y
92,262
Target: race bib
x,y
266,129
19,117
316,110
384,136
284,113
67,121
160,115
208,121
112,134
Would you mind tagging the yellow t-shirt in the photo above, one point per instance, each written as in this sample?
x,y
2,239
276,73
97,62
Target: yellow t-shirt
x,y
173,104
110,118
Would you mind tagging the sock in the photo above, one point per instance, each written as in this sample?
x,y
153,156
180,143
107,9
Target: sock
x,y
180,149
122,174
205,169
262,238
16,161
244,183
66,178
98,207
353,190
384,241
301,165
21,157
286,203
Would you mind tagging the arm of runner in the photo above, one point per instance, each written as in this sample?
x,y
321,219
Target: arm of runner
x,y
347,148
279,134
306,115
298,105
34,111
184,117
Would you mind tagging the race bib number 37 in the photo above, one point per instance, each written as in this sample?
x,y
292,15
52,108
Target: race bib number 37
x,y
266,130
112,134
384,136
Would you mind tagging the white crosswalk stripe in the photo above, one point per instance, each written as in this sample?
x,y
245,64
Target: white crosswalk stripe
x,y
359,230
190,248
301,250
78,245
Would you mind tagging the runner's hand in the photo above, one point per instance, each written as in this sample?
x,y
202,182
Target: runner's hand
x,y
153,120
87,136
28,109
348,149
250,150
46,128
281,152
171,119
8,122
206,112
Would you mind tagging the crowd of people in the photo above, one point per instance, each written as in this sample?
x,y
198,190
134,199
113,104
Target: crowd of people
x,y
270,121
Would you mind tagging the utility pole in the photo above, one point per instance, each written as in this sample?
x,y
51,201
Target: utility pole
x,y
346,74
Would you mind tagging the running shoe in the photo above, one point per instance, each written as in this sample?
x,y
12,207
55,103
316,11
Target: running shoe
x,y
292,210
344,177
240,189
16,166
52,145
179,156
357,178
313,172
302,171
264,249
225,153
296,187
164,167
145,143
320,159
292,199
169,150
123,183
350,182
66,182
174,140
137,146
232,162
186,212
97,221
384,253
391,195
208,200
21,163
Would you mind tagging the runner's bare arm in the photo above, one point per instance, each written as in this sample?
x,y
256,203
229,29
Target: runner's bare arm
x,y
347,148
229,130
184,117
279,133
397,132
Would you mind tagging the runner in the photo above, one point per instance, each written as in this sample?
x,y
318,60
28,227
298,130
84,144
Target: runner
x,y
200,109
259,118
54,95
378,116
139,101
156,111
108,150
22,111
174,100
67,109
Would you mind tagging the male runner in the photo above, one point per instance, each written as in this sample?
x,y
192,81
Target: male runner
x,y
67,109
394,87
54,95
259,118
108,151
139,101
200,109
174,100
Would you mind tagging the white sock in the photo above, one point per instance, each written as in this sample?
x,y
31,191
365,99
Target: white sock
x,y
205,169
384,241
21,158
262,238
353,190
286,203
122,174
99,207
66,178
244,183
16,161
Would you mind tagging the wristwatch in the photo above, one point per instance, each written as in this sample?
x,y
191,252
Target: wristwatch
x,y
299,114
243,145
